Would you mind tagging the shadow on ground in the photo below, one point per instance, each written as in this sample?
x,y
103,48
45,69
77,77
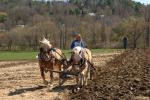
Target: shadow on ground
x,y
54,89
23,90
62,88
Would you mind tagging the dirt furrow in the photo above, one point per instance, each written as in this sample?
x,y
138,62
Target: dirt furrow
x,y
22,80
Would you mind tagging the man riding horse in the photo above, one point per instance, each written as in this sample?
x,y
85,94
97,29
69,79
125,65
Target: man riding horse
x,y
77,42
80,61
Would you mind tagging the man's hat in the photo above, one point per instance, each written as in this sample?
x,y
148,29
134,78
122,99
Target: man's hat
x,y
78,36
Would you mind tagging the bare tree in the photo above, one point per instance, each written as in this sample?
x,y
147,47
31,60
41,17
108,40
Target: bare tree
x,y
147,25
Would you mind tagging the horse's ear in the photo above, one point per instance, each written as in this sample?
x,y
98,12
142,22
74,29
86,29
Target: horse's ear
x,y
42,39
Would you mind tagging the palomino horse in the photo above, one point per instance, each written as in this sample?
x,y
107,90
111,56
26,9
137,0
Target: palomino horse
x,y
82,59
48,59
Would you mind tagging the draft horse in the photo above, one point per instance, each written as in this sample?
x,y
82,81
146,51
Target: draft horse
x,y
49,59
81,65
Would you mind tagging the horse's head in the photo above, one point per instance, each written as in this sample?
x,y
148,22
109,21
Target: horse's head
x,y
45,43
76,54
45,46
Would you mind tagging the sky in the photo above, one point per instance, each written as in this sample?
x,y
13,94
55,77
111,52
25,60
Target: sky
x,y
143,1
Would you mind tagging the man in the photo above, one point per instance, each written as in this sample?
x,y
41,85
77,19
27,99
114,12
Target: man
x,y
77,42
125,42
84,54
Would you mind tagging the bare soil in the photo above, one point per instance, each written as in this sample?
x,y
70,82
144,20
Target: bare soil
x,y
21,80
126,77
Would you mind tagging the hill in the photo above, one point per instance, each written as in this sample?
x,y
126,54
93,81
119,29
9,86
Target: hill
x,y
105,21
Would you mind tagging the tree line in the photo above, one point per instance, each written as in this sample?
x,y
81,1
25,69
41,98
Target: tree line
x,y
23,23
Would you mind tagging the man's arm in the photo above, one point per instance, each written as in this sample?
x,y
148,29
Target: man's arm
x,y
72,45
82,44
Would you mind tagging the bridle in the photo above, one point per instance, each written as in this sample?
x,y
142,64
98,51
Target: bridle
x,y
46,55
81,62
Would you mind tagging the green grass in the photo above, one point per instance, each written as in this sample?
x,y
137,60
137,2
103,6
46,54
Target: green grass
x,y
23,55
30,55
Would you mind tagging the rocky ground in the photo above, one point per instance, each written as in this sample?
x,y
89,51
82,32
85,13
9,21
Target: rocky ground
x,y
126,77
21,80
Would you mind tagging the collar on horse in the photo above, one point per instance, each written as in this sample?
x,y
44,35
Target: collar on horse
x,y
63,57
80,63
42,55
46,55
52,49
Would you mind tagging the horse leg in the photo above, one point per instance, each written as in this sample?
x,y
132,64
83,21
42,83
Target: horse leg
x,y
79,80
43,75
51,74
60,78
86,75
85,79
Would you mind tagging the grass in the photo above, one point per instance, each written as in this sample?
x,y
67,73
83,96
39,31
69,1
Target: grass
x,y
31,55
22,55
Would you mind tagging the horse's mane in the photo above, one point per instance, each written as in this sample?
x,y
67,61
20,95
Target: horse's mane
x,y
45,43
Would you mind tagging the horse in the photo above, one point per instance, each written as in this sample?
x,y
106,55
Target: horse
x,y
81,62
49,58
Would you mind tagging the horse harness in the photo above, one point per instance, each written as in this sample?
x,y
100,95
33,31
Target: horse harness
x,y
46,55
83,61
80,63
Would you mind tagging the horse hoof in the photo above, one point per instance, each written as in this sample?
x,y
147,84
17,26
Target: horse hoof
x,y
51,85
61,82
78,88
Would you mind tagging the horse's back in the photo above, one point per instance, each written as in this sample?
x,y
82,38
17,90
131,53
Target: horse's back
x,y
87,54
57,53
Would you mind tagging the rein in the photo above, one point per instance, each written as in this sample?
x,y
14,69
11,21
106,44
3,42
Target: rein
x,y
63,57
52,49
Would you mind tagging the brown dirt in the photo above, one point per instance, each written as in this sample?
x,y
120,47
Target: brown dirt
x,y
127,77
22,80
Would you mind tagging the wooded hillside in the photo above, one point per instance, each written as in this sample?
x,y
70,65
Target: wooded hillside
x,y
102,23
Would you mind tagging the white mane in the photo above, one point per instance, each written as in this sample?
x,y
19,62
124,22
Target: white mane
x,y
45,43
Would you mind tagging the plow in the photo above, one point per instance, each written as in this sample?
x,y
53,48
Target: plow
x,y
63,75
81,63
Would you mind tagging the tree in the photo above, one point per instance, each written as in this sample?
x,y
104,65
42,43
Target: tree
x,y
3,16
132,28
147,26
